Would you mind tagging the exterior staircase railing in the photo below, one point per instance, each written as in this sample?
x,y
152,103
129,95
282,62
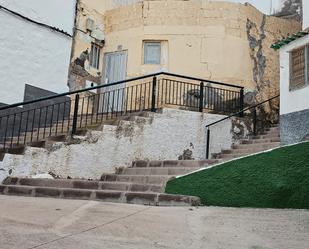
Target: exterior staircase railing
x,y
32,121
252,114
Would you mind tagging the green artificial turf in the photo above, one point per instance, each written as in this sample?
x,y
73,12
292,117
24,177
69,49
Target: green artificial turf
x,y
276,179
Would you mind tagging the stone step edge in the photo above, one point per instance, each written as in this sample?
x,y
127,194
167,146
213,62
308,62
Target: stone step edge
x,y
153,199
35,182
139,176
171,163
123,170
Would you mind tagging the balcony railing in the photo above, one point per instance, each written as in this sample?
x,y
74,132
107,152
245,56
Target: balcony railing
x,y
33,121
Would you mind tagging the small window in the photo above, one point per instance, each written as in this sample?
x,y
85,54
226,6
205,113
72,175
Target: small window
x,y
95,56
152,53
299,69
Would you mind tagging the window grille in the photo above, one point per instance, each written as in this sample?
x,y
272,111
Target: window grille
x,y
299,67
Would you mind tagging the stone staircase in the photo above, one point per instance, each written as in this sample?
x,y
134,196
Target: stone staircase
x,y
142,183
269,139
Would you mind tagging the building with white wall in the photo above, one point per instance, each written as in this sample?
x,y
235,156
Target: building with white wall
x,y
294,84
35,46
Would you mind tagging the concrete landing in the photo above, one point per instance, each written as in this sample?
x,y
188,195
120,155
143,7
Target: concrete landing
x,y
43,223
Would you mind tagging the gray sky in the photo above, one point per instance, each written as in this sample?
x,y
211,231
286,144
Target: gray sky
x,y
263,5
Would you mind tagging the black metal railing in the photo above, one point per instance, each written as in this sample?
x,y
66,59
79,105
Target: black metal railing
x,y
250,112
33,121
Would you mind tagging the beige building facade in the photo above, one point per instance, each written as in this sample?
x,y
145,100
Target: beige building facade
x,y
219,41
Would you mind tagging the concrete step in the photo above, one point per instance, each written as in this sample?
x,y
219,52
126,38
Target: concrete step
x,y
269,133
267,136
236,153
259,141
31,138
274,128
231,156
18,150
265,146
154,199
248,150
174,163
141,179
91,122
158,171
83,184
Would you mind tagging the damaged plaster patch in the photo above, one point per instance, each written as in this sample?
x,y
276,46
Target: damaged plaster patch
x,y
264,89
187,154
91,137
241,128
133,127
256,36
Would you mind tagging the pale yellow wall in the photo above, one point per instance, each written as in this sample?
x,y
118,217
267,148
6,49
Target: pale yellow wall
x,y
200,38
203,39
104,5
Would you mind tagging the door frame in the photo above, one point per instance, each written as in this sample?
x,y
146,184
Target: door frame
x,y
104,64
123,85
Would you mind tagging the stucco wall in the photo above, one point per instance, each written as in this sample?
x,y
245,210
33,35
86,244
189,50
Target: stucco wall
x,y
32,54
295,100
159,137
216,40
221,41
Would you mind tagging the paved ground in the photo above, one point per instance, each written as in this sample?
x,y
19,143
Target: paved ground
x,y
62,224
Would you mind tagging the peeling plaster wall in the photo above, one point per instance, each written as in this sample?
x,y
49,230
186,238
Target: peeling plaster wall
x,y
31,54
172,135
94,10
262,31
84,38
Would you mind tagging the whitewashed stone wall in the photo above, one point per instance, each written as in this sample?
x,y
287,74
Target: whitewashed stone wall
x,y
31,54
160,137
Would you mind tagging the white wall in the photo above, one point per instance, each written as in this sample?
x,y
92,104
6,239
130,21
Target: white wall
x,y
296,100
305,14
31,54
55,13
161,137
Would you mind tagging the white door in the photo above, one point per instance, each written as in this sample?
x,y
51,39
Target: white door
x,y
115,69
